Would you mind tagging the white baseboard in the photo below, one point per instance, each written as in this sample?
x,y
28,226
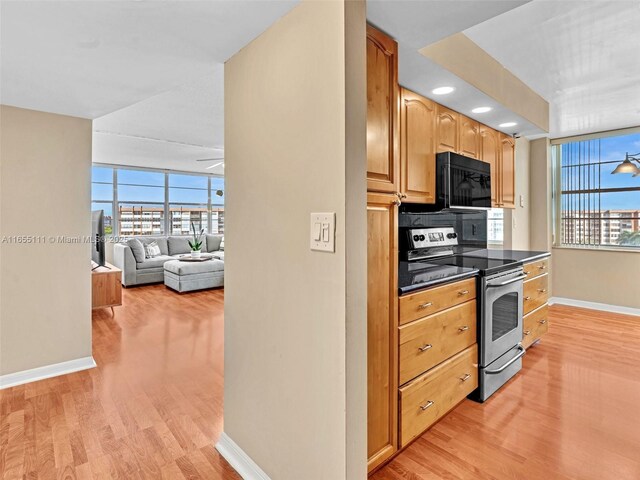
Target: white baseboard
x,y
239,460
595,306
48,371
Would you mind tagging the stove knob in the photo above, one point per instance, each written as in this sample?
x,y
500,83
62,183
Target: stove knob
x,y
422,237
416,238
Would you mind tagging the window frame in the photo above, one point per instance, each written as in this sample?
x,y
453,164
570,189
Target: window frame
x,y
115,202
557,192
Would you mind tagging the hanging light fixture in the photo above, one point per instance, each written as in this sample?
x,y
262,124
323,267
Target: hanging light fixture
x,y
627,165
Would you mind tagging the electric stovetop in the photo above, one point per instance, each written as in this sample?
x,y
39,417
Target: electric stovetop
x,y
484,265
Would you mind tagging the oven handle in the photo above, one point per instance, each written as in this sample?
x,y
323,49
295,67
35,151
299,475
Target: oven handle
x,y
513,280
510,362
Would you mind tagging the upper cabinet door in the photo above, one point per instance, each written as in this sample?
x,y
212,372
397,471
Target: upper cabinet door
x,y
417,147
382,112
508,171
447,130
469,137
490,153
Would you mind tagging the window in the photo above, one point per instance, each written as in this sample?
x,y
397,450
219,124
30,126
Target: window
x,y
495,220
593,207
152,202
188,203
102,195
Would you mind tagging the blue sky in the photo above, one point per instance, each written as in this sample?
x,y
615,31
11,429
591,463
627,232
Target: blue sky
x,y
605,149
145,186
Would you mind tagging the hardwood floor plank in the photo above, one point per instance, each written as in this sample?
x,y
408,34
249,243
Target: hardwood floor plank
x,y
155,397
569,414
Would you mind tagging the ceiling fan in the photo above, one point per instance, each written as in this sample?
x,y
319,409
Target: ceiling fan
x,y
220,161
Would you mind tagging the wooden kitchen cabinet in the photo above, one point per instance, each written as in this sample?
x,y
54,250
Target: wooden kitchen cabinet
x,y
490,153
507,171
417,148
447,125
469,141
382,112
382,328
498,150
535,301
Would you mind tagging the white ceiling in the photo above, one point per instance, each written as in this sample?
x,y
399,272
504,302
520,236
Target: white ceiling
x,y
583,57
90,58
416,24
170,130
149,72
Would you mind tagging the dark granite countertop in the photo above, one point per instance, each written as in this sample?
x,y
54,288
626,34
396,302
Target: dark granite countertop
x,y
413,276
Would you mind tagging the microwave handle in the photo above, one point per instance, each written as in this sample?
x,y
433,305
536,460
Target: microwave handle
x,y
513,360
513,280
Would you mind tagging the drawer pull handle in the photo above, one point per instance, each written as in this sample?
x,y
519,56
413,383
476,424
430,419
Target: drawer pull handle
x,y
526,272
542,267
426,405
424,305
542,290
527,298
465,377
463,329
425,347
542,322
463,292
527,332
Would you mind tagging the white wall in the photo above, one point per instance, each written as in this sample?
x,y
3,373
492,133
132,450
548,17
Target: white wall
x,y
295,320
45,191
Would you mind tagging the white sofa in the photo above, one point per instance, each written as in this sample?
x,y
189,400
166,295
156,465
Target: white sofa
x,y
151,270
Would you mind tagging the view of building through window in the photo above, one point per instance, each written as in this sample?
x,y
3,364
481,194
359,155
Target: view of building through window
x,y
495,229
147,202
595,206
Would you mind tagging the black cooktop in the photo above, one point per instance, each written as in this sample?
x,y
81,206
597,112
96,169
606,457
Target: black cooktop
x,y
484,265
422,274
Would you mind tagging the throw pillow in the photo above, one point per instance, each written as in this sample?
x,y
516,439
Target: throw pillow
x,y
137,249
152,249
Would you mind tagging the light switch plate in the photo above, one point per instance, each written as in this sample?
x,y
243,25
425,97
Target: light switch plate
x,y
326,241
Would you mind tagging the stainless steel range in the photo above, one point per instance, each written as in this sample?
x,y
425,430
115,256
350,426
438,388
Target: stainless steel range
x,y
432,253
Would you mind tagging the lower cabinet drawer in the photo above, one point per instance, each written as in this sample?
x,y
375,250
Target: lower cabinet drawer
x,y
536,293
535,324
534,269
431,340
430,396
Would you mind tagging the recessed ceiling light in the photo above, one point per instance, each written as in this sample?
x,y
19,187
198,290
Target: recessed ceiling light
x,y
507,124
442,90
481,109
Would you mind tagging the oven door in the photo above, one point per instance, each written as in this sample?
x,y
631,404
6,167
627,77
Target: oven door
x,y
501,315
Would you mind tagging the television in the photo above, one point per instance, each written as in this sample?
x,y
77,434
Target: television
x,y
97,238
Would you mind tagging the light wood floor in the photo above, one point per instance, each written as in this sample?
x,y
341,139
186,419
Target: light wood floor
x,y
152,408
572,413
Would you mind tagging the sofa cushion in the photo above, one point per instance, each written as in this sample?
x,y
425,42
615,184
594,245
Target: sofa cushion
x,y
189,268
154,262
179,245
137,249
213,242
152,250
162,243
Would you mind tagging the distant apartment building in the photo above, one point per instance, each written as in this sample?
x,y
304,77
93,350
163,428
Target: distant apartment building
x,y
594,227
150,220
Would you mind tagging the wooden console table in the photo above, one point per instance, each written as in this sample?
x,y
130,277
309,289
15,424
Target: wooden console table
x,y
106,287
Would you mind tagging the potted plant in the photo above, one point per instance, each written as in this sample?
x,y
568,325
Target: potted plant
x,y
196,243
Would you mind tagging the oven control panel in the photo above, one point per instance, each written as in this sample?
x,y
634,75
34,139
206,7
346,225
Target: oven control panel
x,y
432,237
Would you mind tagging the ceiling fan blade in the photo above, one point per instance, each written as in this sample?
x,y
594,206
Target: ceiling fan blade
x,y
209,159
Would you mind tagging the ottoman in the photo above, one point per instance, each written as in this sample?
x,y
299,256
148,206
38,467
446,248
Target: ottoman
x,y
189,276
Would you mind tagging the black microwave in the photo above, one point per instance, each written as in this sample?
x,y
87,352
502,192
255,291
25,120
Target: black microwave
x,y
462,182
